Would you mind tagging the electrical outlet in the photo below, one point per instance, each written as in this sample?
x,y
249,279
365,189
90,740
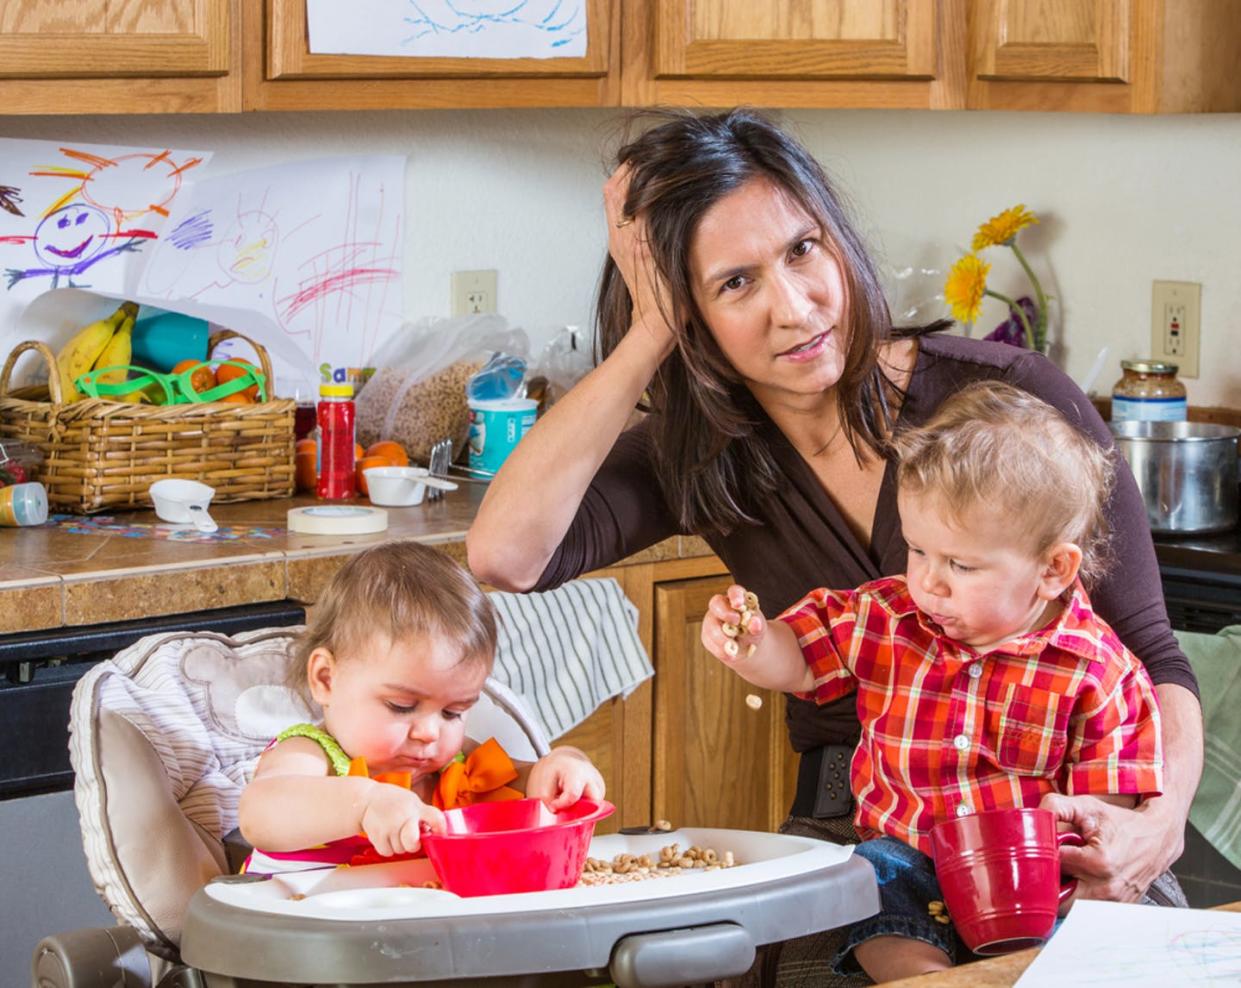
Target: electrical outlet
x,y
473,292
1175,314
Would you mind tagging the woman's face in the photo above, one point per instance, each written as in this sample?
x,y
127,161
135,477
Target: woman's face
x,y
772,293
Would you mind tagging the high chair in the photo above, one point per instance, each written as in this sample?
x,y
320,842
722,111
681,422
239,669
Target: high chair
x,y
163,738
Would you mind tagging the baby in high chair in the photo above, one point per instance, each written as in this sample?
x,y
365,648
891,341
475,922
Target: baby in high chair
x,y
396,654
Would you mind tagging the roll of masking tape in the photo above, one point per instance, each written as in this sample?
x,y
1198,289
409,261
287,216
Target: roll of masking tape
x,y
337,519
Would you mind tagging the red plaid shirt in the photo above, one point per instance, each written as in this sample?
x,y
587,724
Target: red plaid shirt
x,y
946,731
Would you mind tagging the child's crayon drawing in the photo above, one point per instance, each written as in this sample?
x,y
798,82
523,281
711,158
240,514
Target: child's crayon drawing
x,y
314,247
77,215
449,28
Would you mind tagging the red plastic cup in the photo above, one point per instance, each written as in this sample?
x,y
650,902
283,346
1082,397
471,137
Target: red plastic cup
x,y
515,845
999,872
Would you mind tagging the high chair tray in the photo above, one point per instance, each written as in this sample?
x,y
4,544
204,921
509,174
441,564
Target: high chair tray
x,y
376,924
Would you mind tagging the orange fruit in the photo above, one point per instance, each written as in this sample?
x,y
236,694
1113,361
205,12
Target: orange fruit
x,y
364,464
203,378
357,452
227,372
393,451
304,472
238,398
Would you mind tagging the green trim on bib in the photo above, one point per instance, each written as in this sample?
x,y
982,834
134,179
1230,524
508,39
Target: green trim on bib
x,y
331,747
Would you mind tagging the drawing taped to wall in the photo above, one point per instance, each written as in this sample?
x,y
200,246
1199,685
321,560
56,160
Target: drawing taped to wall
x,y
78,215
313,247
449,28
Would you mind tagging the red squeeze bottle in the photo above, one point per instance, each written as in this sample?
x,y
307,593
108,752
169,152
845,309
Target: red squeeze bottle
x,y
335,417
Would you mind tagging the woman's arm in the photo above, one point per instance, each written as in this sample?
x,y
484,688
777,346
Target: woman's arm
x,y
1126,849
532,501
1130,848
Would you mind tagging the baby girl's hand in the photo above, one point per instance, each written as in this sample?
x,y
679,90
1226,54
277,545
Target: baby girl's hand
x,y
393,820
564,776
733,625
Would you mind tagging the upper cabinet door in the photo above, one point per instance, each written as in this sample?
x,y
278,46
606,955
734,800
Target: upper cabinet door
x,y
1108,56
786,52
113,56
775,39
286,75
1057,40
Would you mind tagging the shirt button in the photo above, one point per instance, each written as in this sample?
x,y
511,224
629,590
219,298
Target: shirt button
x,y
964,809
961,742
975,670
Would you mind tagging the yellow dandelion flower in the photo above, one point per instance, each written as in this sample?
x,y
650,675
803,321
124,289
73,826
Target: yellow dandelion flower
x,y
1001,229
963,291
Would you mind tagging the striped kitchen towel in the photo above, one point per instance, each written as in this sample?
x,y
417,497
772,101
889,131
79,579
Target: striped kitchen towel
x,y
569,650
1216,810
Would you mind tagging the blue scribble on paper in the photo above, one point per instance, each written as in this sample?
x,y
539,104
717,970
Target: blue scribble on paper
x,y
193,231
558,21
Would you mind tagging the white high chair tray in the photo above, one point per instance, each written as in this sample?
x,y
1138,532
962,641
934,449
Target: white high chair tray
x,y
394,891
329,923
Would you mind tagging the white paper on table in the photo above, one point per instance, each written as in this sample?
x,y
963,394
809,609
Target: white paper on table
x,y
1114,943
80,216
307,256
448,28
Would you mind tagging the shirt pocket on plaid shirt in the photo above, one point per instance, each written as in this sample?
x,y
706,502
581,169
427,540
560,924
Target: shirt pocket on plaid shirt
x,y
1027,730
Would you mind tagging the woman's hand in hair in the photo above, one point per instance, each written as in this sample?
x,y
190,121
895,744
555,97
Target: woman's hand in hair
x,y
629,245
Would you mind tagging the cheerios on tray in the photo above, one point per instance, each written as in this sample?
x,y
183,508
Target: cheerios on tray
x,y
671,861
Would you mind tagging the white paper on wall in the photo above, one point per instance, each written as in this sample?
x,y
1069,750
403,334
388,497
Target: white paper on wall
x,y
306,253
448,28
81,216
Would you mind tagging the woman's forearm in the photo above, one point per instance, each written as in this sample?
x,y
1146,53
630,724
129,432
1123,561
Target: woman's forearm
x,y
291,812
1181,716
532,501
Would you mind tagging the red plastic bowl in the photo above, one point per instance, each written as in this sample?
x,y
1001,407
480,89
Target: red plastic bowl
x,y
516,845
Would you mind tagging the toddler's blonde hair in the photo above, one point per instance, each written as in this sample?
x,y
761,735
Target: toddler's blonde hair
x,y
399,590
995,446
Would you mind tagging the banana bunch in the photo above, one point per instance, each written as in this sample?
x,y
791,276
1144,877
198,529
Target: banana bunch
x,y
103,343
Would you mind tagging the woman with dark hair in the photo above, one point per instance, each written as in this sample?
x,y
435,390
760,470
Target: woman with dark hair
x,y
739,307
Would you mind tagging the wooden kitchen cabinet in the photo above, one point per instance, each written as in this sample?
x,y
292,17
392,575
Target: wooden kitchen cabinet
x,y
718,762
1112,56
99,56
686,747
1109,56
791,53
282,74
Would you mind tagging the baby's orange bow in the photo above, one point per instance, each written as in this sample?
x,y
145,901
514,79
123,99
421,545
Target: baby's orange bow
x,y
482,778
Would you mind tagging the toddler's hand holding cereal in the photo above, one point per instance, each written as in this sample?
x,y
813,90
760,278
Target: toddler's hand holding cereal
x,y
393,819
733,625
562,777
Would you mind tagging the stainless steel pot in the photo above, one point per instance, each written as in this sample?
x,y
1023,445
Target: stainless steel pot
x,y
1186,471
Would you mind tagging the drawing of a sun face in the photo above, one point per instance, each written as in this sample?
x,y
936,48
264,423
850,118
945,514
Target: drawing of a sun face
x,y
245,252
71,234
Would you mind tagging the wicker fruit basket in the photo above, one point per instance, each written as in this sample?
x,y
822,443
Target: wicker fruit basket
x,y
103,455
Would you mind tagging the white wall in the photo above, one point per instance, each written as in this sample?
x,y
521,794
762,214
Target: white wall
x,y
1123,201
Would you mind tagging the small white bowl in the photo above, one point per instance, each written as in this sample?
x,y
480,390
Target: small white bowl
x,y
401,487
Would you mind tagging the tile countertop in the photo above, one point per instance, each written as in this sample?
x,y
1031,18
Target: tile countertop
x,y
51,578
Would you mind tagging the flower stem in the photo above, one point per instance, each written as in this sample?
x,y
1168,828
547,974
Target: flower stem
x,y
1041,331
1019,312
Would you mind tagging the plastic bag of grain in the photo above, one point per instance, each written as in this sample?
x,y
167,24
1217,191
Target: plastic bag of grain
x,y
417,394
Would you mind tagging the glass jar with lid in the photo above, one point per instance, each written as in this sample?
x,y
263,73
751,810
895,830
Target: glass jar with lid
x,y
1149,391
